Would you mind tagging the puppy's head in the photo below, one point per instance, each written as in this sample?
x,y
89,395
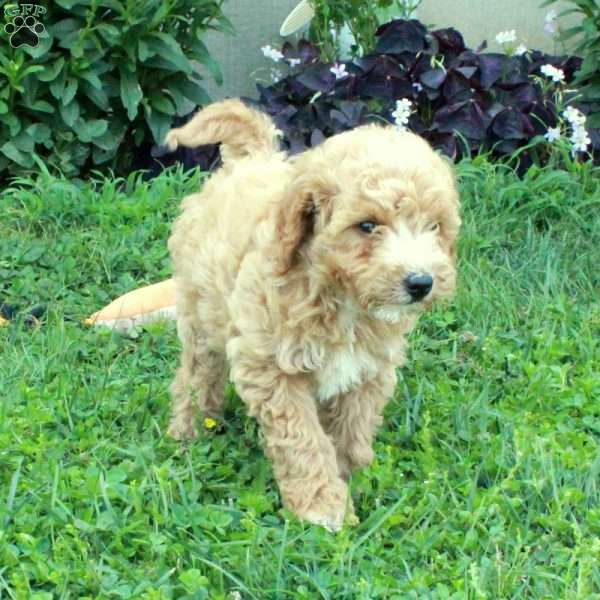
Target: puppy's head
x,y
373,213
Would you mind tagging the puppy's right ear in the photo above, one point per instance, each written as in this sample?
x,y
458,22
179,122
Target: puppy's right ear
x,y
307,205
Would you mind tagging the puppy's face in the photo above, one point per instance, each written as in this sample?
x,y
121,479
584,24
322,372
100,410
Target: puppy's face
x,y
389,248
380,221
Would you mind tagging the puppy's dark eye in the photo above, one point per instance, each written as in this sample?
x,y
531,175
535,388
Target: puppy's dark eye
x,y
433,227
367,226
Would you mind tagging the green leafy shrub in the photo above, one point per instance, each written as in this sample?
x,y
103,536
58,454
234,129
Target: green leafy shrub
x,y
105,77
587,37
362,19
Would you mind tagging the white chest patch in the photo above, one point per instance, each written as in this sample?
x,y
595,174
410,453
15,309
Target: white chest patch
x,y
343,370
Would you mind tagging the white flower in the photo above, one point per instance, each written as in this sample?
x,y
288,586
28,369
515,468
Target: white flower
x,y
574,116
294,62
552,134
339,70
507,37
580,139
402,113
520,50
550,22
555,74
276,75
272,53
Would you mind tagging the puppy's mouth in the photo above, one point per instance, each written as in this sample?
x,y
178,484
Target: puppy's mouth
x,y
402,299
420,303
399,304
395,311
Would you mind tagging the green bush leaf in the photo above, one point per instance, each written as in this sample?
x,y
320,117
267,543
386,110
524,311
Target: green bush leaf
x,y
44,45
223,25
193,91
79,152
589,26
40,132
183,106
169,50
109,32
131,92
87,73
24,142
68,4
12,122
70,113
65,28
13,153
159,15
31,70
70,90
159,123
58,85
144,51
589,66
111,139
92,78
97,127
100,155
162,103
115,5
87,131
51,72
69,42
594,120
98,97
42,106
205,58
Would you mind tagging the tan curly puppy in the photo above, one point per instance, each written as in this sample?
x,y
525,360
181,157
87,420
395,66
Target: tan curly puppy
x,y
304,275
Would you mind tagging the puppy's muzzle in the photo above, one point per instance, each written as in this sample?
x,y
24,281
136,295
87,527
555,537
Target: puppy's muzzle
x,y
418,285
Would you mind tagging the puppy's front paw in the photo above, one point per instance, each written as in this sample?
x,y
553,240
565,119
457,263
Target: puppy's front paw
x,y
328,507
353,458
332,522
182,431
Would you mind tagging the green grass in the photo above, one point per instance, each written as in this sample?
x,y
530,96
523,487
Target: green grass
x,y
486,483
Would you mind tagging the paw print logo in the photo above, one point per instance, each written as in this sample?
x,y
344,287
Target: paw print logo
x,y
24,31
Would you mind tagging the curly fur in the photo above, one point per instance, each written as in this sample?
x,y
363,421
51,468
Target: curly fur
x,y
275,280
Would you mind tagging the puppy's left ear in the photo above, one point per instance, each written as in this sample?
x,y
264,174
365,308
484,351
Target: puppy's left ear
x,y
306,207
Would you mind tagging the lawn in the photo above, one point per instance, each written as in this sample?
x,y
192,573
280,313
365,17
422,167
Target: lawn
x,y
486,483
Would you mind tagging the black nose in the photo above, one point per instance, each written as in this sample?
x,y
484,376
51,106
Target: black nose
x,y
418,286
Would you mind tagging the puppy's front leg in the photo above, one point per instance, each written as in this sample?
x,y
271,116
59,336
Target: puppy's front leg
x,y
351,420
303,456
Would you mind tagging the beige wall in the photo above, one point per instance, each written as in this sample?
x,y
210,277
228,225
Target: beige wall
x,y
257,23
480,20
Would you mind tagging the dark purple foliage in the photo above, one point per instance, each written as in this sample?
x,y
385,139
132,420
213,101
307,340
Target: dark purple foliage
x,y
450,42
399,37
466,100
466,118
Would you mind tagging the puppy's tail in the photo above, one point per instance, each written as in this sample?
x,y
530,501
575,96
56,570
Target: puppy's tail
x,y
241,130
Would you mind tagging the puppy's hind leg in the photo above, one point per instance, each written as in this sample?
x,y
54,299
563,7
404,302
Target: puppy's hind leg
x,y
199,383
